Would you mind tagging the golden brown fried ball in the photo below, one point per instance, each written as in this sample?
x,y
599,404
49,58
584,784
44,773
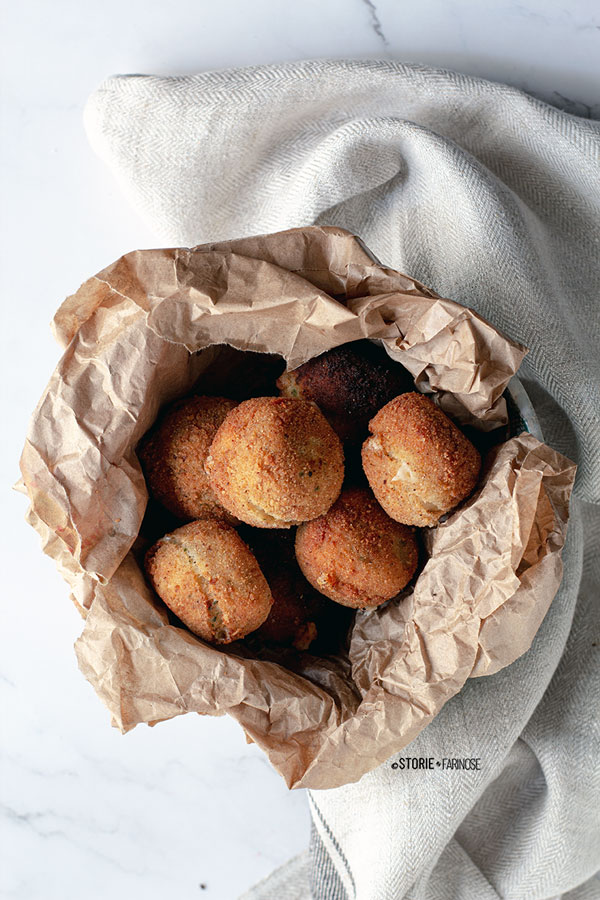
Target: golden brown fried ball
x,y
209,578
348,384
418,463
275,462
355,554
297,608
173,456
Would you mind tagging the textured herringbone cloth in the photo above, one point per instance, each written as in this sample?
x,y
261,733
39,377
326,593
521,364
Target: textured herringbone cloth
x,y
492,198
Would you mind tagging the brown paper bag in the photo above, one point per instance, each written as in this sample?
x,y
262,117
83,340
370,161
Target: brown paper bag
x,y
143,332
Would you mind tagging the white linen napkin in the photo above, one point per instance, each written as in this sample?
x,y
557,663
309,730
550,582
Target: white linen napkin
x,y
491,198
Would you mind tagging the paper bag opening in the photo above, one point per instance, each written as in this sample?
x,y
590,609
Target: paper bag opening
x,y
145,331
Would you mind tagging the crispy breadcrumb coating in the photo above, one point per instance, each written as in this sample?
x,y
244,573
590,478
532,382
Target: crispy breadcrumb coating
x,y
173,456
210,579
275,462
355,554
418,463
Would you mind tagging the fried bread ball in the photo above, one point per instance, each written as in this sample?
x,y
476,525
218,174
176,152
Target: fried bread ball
x,y
210,579
418,463
275,462
355,554
173,456
297,608
348,384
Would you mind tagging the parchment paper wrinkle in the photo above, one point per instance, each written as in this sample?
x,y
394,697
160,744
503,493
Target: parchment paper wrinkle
x,y
141,333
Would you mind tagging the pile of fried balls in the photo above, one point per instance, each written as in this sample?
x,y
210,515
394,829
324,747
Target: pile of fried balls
x,y
348,454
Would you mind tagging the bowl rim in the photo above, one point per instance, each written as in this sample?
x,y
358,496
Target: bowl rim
x,y
522,401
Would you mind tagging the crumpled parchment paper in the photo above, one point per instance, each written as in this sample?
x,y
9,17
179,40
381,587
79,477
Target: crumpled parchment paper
x,y
148,329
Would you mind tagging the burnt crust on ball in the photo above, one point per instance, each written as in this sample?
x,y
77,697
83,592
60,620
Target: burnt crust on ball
x,y
275,462
210,579
356,554
298,608
173,455
348,384
418,463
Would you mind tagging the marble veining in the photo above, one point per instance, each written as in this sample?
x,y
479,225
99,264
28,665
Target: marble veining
x,y
375,23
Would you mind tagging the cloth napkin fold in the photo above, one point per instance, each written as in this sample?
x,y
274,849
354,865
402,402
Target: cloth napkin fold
x,y
491,198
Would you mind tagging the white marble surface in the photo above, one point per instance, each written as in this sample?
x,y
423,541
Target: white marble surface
x,y
88,813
